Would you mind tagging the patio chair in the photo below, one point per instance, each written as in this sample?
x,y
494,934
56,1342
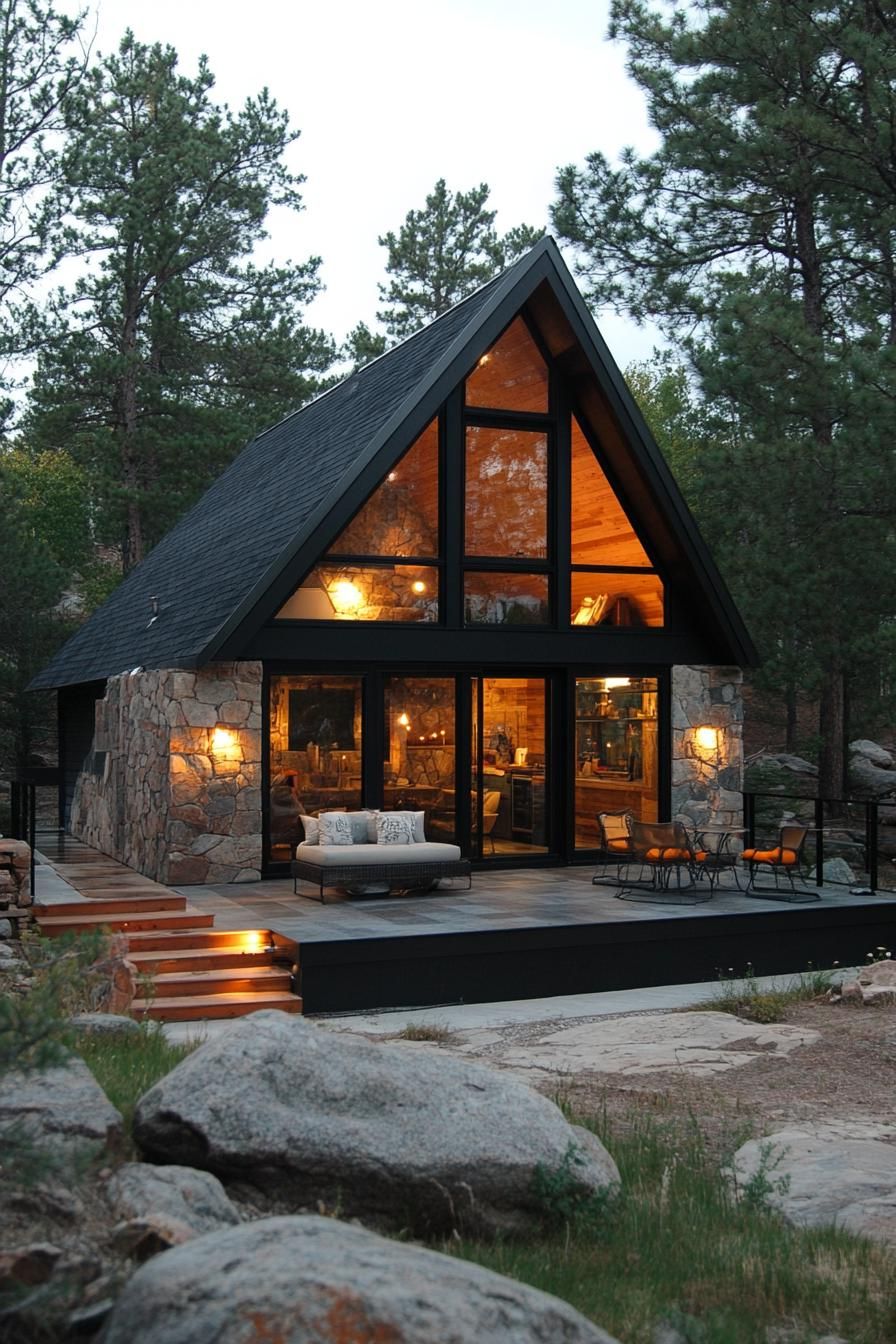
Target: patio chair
x,y
664,850
615,839
783,862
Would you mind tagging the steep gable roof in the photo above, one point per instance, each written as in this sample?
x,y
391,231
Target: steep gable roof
x,y
250,527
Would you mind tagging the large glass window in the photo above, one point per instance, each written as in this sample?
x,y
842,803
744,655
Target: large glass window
x,y
401,518
615,751
418,769
506,492
601,534
315,753
399,521
608,599
509,765
512,375
335,591
505,599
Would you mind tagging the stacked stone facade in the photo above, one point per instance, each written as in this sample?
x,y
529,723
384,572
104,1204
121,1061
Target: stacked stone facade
x,y
707,782
174,784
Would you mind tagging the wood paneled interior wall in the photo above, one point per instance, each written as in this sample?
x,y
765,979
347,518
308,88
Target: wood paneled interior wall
x,y
518,706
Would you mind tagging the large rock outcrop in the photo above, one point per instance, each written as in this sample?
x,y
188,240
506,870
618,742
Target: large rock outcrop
x,y
402,1138
194,1198
62,1110
821,1175
316,1281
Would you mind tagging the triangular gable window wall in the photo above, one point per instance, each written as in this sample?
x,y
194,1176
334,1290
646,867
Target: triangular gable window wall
x,y
387,563
360,578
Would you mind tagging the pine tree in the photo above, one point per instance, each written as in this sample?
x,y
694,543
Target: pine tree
x,y
41,64
760,234
173,347
442,253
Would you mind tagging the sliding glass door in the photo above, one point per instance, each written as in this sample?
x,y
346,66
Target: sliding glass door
x,y
509,764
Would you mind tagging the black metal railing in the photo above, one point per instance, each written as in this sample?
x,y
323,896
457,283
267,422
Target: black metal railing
x,y
826,817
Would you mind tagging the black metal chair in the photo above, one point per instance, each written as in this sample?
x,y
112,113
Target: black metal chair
x,y
664,850
616,850
784,861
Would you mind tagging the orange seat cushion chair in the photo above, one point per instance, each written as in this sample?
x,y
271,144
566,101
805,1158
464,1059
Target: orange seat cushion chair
x,y
786,857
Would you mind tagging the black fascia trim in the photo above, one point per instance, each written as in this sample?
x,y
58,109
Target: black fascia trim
x,y
635,428
432,646
395,437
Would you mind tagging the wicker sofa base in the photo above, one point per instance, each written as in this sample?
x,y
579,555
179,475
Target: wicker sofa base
x,y
358,875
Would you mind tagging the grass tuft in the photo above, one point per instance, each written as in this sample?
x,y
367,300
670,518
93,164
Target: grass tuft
x,y
745,997
127,1066
426,1031
675,1246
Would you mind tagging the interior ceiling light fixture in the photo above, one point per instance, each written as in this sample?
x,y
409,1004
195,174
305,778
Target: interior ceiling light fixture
x,y
612,682
345,595
418,586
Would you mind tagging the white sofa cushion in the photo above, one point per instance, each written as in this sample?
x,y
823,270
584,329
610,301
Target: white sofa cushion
x,y
357,856
312,828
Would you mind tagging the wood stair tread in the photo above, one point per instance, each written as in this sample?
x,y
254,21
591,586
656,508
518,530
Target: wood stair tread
x,y
197,1006
109,905
144,921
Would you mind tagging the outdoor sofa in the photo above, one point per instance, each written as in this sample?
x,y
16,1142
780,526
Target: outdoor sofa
x,y
368,866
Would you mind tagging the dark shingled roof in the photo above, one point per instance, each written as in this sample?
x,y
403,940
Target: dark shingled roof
x,y
229,556
205,566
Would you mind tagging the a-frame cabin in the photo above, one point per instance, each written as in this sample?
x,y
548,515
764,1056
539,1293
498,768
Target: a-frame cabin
x,y
463,581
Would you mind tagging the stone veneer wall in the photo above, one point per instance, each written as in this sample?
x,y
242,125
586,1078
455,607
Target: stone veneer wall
x,y
159,792
707,783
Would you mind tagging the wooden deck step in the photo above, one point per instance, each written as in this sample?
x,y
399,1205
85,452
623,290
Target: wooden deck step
x,y
181,959
192,1007
169,940
143,921
113,905
248,981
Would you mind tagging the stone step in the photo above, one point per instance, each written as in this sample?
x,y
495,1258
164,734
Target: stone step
x,y
252,980
194,1007
145,921
113,905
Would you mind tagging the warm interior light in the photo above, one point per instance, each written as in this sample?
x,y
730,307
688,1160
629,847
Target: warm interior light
x,y
418,586
707,738
403,721
223,741
585,612
346,596
484,360
391,476
611,682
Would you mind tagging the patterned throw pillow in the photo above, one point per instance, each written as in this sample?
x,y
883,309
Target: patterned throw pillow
x,y
312,829
394,829
335,829
416,820
358,823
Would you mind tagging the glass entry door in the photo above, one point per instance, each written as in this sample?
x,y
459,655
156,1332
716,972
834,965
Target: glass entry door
x,y
509,759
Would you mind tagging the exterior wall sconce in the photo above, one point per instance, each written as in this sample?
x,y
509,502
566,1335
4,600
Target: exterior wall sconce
x,y
225,742
707,738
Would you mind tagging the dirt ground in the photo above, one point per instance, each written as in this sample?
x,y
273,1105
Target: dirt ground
x,y
849,1073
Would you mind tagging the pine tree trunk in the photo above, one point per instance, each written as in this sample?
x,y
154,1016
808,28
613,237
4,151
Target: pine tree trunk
x,y
791,723
832,730
132,548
